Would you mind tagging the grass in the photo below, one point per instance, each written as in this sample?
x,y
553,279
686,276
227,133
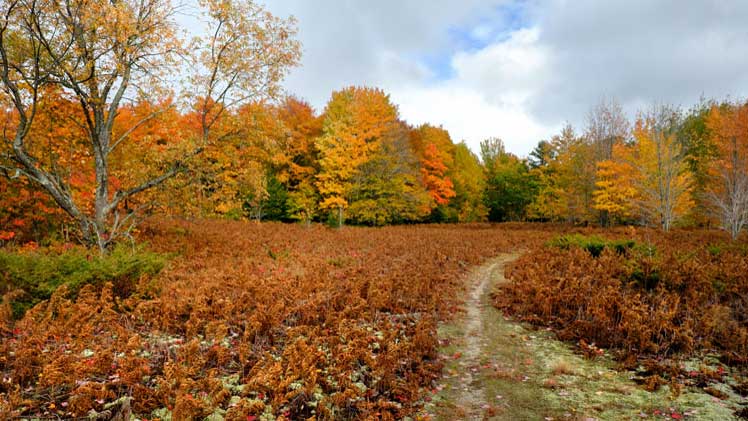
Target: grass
x,y
30,277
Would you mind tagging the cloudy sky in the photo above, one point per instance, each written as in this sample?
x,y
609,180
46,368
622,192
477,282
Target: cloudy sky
x,y
519,69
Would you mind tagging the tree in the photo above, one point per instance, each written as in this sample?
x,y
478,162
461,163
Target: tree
x,y
155,137
542,154
246,54
567,180
270,202
509,185
354,123
728,172
492,150
469,184
386,188
615,193
237,66
26,214
433,173
295,162
100,53
434,147
607,126
96,51
658,167
303,202
700,150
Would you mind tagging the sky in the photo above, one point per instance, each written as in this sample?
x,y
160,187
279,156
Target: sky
x,y
519,70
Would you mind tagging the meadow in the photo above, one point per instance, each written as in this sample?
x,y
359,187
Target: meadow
x,y
238,320
249,320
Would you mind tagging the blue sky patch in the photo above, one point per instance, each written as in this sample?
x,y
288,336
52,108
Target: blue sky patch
x,y
479,33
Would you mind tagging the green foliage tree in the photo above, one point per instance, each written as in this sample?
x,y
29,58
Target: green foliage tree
x,y
542,155
274,204
303,202
700,149
510,187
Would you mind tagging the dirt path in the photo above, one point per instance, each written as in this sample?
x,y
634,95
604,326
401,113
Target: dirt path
x,y
470,396
498,369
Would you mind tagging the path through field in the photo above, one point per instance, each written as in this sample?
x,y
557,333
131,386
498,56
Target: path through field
x,y
498,369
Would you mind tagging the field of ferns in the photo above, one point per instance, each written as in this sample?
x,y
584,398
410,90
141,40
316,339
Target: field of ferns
x,y
673,308
251,321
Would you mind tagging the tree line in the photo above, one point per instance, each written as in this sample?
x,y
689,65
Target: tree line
x,y
95,136
669,168
356,162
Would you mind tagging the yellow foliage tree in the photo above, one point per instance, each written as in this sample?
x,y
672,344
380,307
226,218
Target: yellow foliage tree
x,y
354,123
615,191
566,180
650,174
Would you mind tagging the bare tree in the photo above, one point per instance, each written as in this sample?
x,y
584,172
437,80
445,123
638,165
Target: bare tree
x,y
606,125
731,203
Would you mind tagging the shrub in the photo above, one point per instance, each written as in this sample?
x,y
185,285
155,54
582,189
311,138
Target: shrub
x,y
38,274
642,304
593,244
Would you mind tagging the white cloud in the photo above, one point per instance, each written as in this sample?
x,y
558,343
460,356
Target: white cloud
x,y
466,66
469,116
487,96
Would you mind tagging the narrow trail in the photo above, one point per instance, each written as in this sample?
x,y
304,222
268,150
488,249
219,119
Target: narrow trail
x,y
498,369
474,339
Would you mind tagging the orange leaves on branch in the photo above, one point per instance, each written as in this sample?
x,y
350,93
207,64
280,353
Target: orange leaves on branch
x,y
728,190
433,172
436,152
295,161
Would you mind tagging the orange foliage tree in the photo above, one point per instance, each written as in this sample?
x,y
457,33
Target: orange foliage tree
x,y
729,171
436,152
296,163
123,49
